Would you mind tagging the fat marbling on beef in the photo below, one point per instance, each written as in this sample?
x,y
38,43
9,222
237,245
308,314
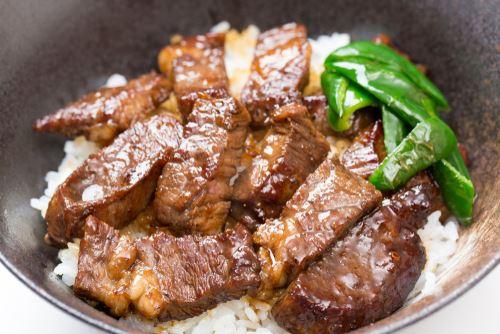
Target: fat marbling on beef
x,y
196,66
291,149
101,115
162,276
116,183
367,275
322,210
194,191
279,72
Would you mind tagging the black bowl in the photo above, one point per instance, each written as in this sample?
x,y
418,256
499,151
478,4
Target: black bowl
x,y
53,51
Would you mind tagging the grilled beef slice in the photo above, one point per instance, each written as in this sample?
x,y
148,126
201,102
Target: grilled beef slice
x,y
116,183
322,210
101,115
196,66
195,188
366,152
317,106
189,275
104,264
162,276
289,152
367,275
279,72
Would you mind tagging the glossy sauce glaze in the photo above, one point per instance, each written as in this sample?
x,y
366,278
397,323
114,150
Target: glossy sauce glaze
x,y
101,115
277,165
196,66
116,183
321,211
194,191
279,72
161,276
368,274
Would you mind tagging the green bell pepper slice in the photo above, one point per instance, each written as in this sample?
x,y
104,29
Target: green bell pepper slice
x,y
457,190
344,98
409,97
384,54
390,87
429,141
395,129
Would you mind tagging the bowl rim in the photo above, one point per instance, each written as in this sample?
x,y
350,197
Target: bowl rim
x,y
474,279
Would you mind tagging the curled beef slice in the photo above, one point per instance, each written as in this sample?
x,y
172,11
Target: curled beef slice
x,y
366,152
161,276
317,105
104,263
177,278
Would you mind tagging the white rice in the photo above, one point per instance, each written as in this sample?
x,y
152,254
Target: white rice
x,y
76,152
115,80
440,242
245,315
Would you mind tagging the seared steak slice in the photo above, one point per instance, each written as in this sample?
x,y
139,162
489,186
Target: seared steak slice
x,y
162,276
318,105
196,65
194,191
177,278
101,115
322,210
104,264
289,152
367,275
279,72
116,183
419,198
366,152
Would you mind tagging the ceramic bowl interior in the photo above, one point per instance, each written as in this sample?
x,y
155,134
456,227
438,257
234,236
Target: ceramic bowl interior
x,y
54,51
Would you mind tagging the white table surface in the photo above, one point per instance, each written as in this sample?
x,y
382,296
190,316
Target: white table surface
x,y
22,311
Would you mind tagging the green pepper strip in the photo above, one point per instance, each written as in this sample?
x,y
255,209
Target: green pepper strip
x,y
430,141
386,55
394,129
397,91
391,87
456,161
457,190
344,98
